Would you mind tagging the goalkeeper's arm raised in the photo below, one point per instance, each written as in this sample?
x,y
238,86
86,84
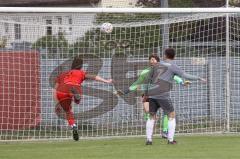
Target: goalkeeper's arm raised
x,y
137,84
141,83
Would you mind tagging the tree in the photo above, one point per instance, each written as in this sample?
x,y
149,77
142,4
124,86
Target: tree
x,y
148,3
53,45
3,41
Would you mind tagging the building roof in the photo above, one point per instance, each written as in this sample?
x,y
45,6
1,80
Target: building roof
x,y
41,3
65,3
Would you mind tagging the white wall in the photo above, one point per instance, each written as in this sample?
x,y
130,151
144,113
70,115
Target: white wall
x,y
33,26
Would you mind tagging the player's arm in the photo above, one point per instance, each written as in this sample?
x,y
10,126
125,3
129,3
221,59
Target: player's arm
x,y
193,77
98,78
140,81
137,84
178,71
180,81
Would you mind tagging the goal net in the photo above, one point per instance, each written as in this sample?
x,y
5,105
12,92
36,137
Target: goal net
x,y
36,47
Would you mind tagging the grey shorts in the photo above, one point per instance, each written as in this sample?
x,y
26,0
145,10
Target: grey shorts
x,y
165,104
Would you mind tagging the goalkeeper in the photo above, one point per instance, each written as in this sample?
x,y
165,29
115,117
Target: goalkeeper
x,y
140,84
68,89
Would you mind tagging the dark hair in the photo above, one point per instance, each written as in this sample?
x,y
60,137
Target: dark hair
x,y
77,63
155,56
170,53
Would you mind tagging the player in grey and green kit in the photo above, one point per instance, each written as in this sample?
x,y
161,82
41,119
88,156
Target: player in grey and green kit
x,y
141,85
158,91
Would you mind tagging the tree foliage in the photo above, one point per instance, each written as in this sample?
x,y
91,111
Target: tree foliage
x,y
53,45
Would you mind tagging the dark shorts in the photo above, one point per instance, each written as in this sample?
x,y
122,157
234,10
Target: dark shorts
x,y
165,104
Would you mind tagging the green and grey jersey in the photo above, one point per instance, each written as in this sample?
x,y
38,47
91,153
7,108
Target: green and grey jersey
x,y
142,82
161,77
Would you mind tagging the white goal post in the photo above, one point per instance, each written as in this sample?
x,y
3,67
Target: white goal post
x,y
37,44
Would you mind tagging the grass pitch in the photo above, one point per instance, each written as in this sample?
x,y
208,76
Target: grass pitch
x,y
188,147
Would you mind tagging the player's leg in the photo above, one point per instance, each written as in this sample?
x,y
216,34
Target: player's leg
x,y
171,128
167,106
164,132
76,92
146,108
153,107
65,101
66,105
164,125
148,120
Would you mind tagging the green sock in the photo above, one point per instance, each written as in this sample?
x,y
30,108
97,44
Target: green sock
x,y
146,116
165,123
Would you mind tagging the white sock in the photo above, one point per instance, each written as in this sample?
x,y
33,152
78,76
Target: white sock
x,y
149,129
171,128
73,125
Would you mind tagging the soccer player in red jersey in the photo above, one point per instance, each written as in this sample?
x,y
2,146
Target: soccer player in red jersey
x,y
68,89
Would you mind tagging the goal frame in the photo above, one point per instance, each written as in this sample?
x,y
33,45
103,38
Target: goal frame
x,y
227,10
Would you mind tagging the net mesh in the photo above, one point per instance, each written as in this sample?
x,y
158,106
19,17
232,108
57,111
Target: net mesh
x,y
36,48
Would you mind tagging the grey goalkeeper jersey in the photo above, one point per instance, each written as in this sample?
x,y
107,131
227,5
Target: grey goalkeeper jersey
x,y
161,77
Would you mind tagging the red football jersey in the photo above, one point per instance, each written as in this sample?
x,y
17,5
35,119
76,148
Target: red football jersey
x,y
67,80
73,77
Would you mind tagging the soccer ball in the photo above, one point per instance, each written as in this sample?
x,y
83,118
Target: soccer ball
x,y
106,27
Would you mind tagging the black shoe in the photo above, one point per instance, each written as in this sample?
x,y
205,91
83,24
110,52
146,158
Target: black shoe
x,y
75,133
172,142
149,143
75,93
